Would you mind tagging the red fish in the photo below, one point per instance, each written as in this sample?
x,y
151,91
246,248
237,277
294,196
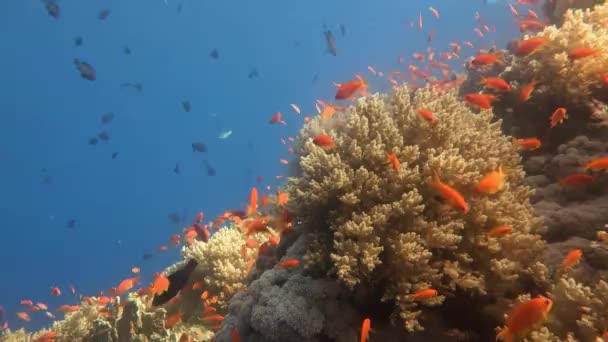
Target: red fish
x,y
526,91
323,141
597,164
56,291
486,59
351,88
424,294
530,46
500,231
577,179
583,52
496,83
365,328
427,115
289,263
528,143
571,259
277,118
392,159
558,116
524,317
449,194
483,101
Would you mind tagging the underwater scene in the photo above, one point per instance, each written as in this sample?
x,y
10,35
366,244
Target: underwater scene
x,y
315,171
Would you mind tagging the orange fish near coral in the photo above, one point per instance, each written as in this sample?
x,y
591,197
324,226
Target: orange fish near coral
x,y
449,194
496,83
491,183
500,231
558,116
172,320
289,263
351,88
160,284
571,259
600,164
126,285
524,317
483,101
366,326
486,59
253,202
583,52
577,179
424,294
530,46
323,141
24,316
236,337
392,159
56,291
276,119
526,91
427,115
528,143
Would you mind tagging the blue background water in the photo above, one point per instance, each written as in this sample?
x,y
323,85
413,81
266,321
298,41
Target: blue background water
x,y
48,113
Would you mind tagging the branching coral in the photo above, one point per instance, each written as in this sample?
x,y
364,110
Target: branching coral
x,y
387,225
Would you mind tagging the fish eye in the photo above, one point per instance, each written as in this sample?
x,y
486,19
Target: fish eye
x,y
547,302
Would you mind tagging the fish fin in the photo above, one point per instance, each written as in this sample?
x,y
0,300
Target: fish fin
x,y
505,335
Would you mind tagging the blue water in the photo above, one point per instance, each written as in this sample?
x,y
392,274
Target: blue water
x,y
48,113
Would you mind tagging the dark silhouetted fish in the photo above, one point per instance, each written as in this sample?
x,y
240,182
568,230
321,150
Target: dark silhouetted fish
x,y
126,50
78,41
174,218
86,70
209,168
93,141
253,74
137,86
104,136
104,14
315,77
331,42
215,54
342,30
52,8
106,118
187,106
148,256
177,169
199,147
177,281
71,224
114,155
46,180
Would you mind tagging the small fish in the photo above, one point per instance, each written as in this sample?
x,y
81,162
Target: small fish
x,y
524,317
199,147
571,259
496,83
235,335
126,285
427,115
424,294
106,118
104,136
526,91
558,116
71,223
600,164
177,170
528,143
577,179
276,118
55,291
160,284
366,326
289,263
225,134
486,59
186,106
330,42
210,170
253,202
214,54
126,50
104,14
86,70
482,101
323,141
530,46
148,256
392,159
173,319
500,231
78,41
114,155
583,52
253,74
491,183
24,316
449,194
53,9
351,88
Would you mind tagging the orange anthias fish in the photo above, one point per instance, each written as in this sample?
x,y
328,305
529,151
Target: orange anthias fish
x,y
528,143
583,52
500,231
172,320
24,316
126,285
56,291
427,115
323,141
496,83
486,59
282,198
68,308
392,159
253,202
160,284
524,317
530,46
289,263
424,294
571,259
558,116
577,179
449,194
351,88
597,164
366,326
526,91
48,337
483,101
491,183
236,337
276,119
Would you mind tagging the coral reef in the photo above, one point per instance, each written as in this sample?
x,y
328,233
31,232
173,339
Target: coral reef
x,y
555,9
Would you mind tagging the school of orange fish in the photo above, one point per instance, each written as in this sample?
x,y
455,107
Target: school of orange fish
x,y
520,320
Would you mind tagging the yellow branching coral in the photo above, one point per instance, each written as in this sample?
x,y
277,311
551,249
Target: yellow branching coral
x,y
222,266
573,80
387,225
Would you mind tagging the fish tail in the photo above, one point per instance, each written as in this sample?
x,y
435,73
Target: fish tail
x,y
505,335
